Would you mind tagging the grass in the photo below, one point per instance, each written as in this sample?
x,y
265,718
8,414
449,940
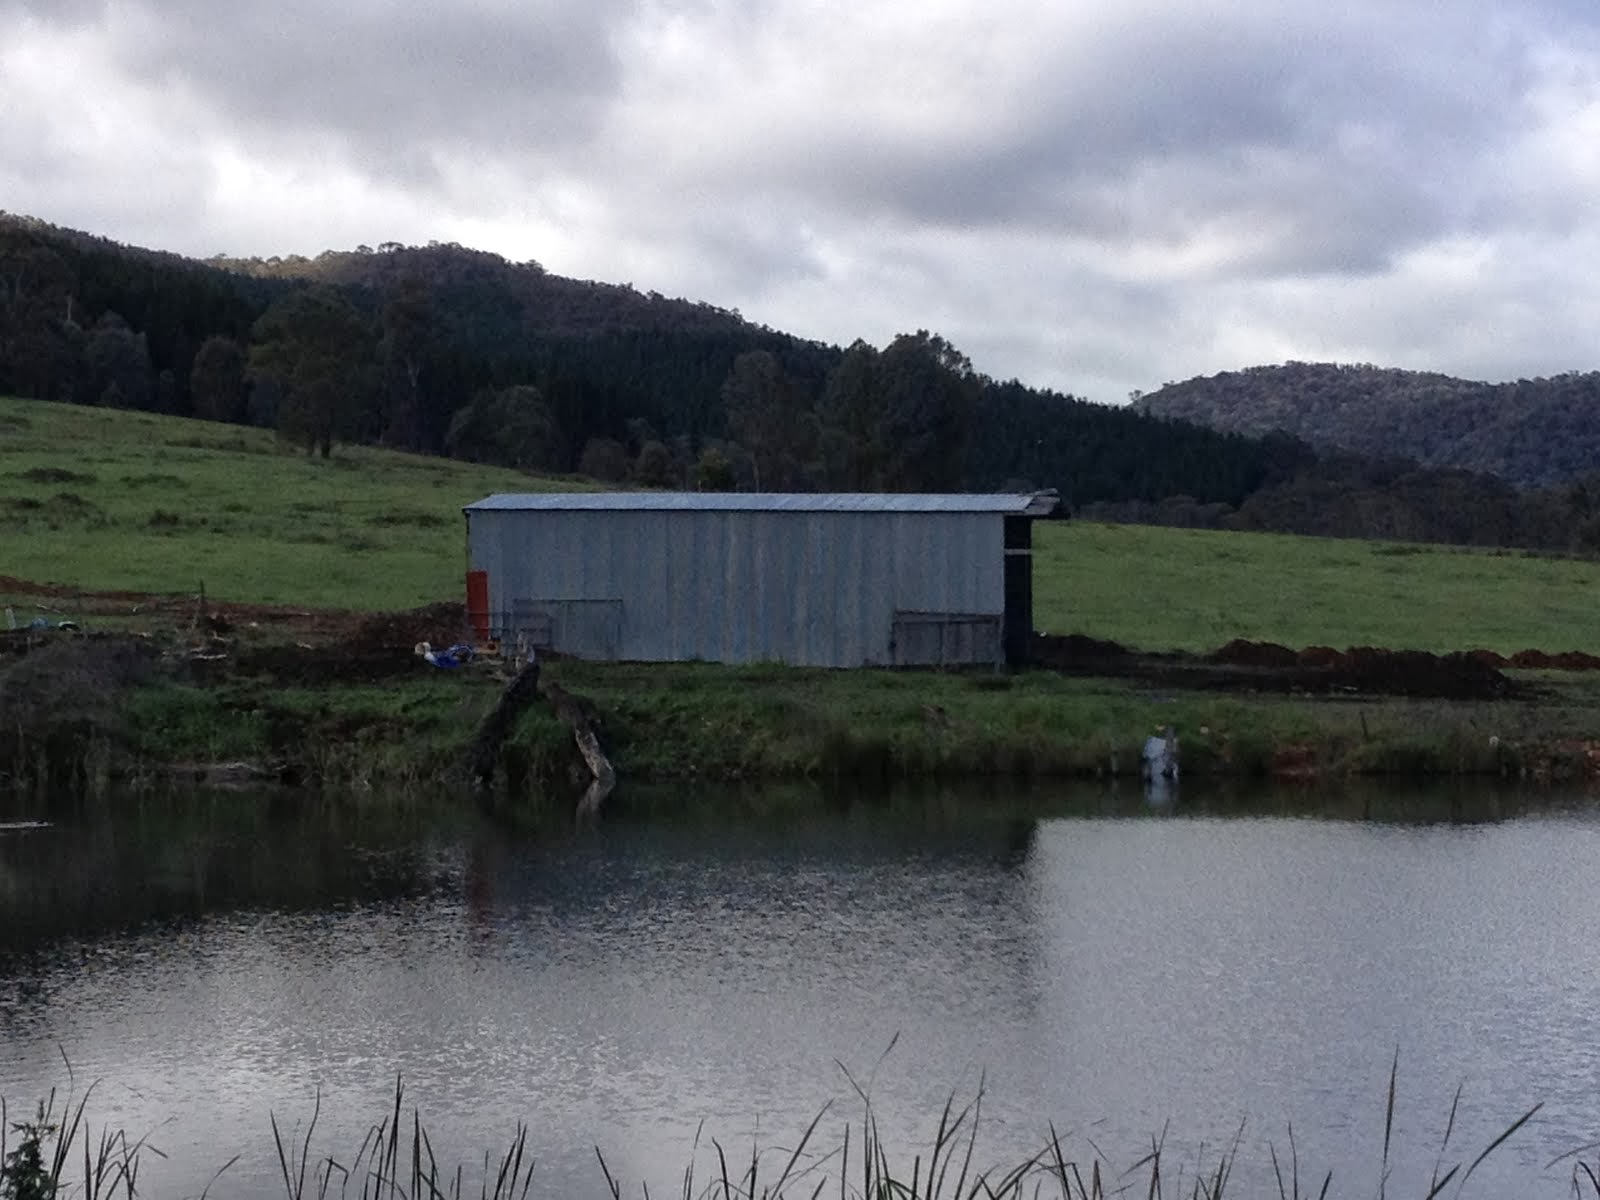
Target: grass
x,y
676,722
396,1159
1162,589
688,720
105,499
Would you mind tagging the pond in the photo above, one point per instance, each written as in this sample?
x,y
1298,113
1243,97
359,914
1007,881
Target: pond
x,y
728,966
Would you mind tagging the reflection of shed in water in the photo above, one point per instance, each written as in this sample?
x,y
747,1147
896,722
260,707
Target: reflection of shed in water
x,y
817,580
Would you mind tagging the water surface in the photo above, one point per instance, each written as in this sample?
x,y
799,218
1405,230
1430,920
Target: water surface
x,y
1095,964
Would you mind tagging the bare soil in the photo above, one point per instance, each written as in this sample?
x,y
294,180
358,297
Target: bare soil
x,y
56,601
290,644
377,647
1246,666
320,646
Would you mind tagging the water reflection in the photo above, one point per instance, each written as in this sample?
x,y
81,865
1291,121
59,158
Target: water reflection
x,y
1103,963
135,859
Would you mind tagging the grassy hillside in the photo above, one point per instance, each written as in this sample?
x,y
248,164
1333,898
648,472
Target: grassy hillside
x,y
105,499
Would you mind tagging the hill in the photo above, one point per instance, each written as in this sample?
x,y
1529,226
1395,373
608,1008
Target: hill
x,y
1533,432
445,349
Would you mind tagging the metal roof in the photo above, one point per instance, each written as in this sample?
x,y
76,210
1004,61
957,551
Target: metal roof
x,y
1031,504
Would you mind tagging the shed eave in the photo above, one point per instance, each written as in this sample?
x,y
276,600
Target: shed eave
x,y
1026,504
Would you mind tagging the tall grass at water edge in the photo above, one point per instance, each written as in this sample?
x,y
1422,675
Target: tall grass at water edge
x,y
55,1155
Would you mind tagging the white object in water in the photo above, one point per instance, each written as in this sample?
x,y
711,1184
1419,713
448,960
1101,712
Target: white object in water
x,y
1160,757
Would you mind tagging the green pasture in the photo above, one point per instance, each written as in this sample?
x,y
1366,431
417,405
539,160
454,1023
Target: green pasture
x,y
1162,589
105,499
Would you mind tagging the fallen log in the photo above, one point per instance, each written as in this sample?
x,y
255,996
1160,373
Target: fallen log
x,y
518,697
571,714
497,726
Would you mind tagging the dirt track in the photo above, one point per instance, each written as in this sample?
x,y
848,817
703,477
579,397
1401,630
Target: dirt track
x,y
58,601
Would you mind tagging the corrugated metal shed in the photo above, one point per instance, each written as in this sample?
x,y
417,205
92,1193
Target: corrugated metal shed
x,y
820,580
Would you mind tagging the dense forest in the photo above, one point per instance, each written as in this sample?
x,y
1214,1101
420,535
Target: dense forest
x,y
1533,432
440,349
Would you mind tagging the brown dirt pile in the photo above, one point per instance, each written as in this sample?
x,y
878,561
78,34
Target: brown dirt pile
x,y
380,647
1267,667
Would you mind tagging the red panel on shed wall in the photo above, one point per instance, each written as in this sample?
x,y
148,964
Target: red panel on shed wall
x,y
478,603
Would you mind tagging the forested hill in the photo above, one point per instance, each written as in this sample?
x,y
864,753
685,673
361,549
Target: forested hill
x,y
1533,432
445,349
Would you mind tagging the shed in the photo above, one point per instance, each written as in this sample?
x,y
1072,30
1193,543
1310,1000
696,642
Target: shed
x,y
830,580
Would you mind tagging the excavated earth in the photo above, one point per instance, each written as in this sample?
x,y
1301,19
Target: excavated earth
x,y
314,647
378,647
1246,666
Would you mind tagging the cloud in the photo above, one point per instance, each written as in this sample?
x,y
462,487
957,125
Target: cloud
x,y
390,80
1091,195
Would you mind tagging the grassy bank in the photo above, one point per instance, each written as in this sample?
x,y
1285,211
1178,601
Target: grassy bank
x,y
704,722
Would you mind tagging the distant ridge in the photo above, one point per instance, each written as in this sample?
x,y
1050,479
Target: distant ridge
x,y
1533,432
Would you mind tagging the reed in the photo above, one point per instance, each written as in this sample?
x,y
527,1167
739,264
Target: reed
x,y
54,1155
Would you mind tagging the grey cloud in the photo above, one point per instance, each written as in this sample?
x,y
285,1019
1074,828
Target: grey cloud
x,y
1355,138
394,82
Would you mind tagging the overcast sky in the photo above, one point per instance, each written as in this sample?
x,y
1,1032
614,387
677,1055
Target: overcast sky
x,y
1092,195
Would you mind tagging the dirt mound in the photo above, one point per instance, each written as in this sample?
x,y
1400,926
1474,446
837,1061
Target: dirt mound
x,y
1247,666
1317,656
1076,650
1569,660
1243,653
316,666
380,647
1458,676
440,624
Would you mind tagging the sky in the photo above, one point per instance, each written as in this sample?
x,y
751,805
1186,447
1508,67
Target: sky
x,y
1097,196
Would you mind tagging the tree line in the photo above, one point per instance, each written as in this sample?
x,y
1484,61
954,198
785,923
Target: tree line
x,y
444,350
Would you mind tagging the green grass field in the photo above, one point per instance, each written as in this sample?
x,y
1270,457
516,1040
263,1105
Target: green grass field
x,y
1192,589
104,499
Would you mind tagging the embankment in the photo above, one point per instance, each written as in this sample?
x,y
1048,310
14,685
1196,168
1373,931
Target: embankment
x,y
360,708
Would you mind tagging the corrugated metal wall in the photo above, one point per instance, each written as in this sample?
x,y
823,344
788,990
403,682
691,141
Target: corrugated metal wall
x,y
811,588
